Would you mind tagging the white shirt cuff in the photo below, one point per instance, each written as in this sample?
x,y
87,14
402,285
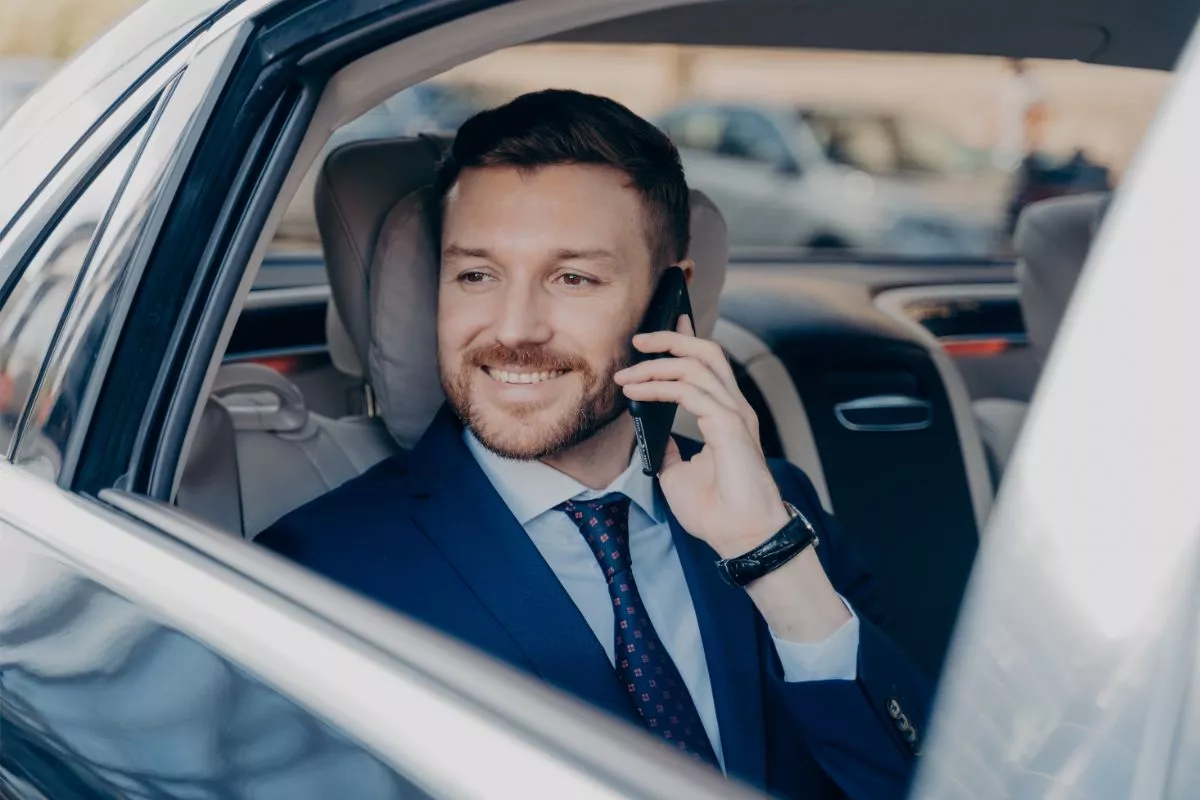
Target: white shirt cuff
x,y
835,658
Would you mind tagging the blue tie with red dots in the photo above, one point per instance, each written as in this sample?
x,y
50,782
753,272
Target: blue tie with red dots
x,y
645,669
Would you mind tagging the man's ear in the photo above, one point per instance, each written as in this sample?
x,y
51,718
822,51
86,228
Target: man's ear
x,y
689,269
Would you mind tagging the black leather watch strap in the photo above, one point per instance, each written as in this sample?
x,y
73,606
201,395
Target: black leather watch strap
x,y
772,554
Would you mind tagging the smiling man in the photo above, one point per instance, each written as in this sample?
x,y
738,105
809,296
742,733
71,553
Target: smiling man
x,y
522,522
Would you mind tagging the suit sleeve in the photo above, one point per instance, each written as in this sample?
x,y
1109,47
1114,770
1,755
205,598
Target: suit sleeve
x,y
865,733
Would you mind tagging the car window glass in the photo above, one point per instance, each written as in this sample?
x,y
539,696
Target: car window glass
x,y
953,156
103,698
63,393
751,137
30,315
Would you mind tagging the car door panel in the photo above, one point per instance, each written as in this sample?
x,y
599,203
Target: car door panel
x,y
980,326
103,697
145,654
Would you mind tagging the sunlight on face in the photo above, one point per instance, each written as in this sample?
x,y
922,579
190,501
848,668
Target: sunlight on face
x,y
544,276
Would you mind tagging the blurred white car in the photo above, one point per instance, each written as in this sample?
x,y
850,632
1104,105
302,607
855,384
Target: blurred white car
x,y
838,180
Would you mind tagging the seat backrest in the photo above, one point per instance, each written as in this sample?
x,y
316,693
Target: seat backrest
x,y
1052,240
210,486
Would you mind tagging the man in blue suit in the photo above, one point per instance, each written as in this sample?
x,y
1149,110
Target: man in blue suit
x,y
522,522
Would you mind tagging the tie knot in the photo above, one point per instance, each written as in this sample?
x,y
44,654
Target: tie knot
x,y
604,523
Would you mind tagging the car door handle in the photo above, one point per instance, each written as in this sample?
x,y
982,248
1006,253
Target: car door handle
x,y
885,412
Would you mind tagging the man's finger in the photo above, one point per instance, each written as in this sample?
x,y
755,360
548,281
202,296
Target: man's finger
x,y
685,346
680,369
710,414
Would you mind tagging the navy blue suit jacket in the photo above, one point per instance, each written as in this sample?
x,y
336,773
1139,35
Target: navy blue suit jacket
x,y
426,534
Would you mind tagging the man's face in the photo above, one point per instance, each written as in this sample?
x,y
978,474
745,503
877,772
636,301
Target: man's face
x,y
544,278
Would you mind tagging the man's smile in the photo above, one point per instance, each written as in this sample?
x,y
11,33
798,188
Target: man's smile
x,y
522,377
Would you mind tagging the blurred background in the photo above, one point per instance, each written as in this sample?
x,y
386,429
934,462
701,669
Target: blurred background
x,y
816,153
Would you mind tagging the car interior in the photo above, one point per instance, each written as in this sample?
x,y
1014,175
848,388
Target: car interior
x,y
866,375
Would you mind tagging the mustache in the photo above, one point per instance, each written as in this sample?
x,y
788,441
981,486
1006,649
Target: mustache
x,y
533,358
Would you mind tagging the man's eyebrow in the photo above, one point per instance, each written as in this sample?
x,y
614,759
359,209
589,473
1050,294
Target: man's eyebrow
x,y
457,251
597,254
562,254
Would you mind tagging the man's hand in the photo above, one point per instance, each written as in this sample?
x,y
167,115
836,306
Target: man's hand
x,y
725,494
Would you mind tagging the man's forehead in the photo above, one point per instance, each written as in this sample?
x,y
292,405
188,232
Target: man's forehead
x,y
561,182
576,212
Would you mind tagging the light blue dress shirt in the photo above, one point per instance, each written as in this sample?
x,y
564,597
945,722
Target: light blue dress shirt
x,y
531,490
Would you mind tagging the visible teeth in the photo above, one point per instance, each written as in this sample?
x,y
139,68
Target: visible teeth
x,y
523,377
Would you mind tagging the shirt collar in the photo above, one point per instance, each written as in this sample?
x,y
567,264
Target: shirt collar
x,y
531,488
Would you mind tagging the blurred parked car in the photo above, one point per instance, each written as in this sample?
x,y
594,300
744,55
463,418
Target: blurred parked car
x,y
838,180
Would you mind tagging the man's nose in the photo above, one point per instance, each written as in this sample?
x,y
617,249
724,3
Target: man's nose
x,y
522,316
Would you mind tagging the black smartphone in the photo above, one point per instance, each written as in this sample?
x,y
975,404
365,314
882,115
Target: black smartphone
x,y
653,421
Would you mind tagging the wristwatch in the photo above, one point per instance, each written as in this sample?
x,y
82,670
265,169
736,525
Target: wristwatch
x,y
772,554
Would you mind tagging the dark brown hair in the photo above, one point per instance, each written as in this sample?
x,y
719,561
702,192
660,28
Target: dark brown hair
x,y
558,126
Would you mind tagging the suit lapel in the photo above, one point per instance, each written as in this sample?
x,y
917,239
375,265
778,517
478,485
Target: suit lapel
x,y
462,514
728,623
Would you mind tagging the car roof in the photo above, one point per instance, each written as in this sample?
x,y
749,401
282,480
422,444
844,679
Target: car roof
x,y
1148,34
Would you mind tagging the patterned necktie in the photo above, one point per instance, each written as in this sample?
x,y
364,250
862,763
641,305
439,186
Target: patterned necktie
x,y
645,669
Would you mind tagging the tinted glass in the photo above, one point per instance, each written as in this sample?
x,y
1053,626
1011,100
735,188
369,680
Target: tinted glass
x,y
101,699
32,312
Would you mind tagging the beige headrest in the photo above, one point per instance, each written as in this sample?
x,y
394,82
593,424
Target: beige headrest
x,y
397,328
357,186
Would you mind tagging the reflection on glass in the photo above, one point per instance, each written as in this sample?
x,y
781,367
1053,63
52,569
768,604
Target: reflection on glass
x,y
102,700
30,315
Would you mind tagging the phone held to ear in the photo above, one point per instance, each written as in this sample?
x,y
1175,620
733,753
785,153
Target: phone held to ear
x,y
652,421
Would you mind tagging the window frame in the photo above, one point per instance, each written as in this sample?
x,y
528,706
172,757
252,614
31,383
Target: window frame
x,y
143,131
44,237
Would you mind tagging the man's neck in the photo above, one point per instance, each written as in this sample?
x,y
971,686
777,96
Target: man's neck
x,y
599,460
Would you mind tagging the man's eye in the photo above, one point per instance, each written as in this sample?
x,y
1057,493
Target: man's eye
x,y
473,276
575,279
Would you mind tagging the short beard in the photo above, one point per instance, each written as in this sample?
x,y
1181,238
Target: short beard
x,y
602,403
